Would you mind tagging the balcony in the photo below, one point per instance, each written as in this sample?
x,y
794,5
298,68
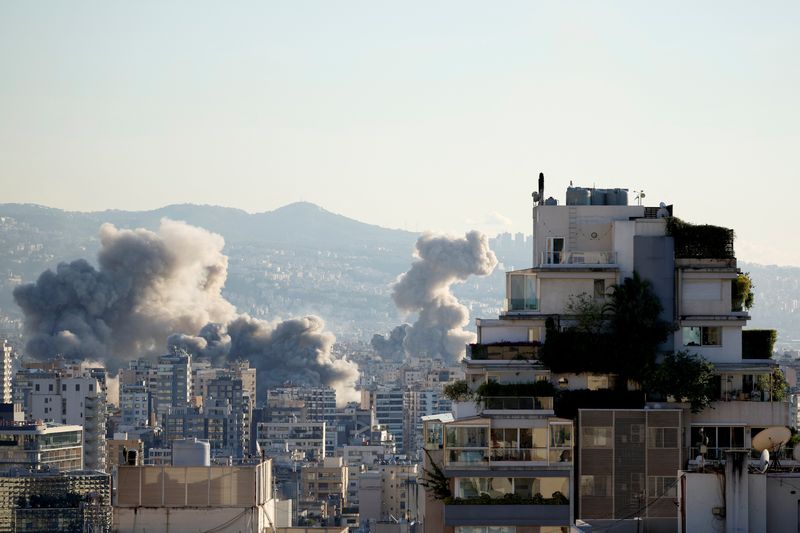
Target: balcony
x,y
577,259
487,457
506,515
505,351
517,403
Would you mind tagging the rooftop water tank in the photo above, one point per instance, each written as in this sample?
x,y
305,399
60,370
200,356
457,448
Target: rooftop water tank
x,y
598,197
578,196
551,201
191,452
617,197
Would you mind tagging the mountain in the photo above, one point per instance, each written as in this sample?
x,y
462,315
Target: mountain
x,y
298,224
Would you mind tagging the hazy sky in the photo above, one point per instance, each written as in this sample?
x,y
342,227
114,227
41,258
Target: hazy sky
x,y
422,115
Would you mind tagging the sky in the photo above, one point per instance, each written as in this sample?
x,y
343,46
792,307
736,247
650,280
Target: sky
x,y
422,115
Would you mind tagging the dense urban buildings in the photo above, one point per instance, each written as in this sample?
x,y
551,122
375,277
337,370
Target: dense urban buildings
x,y
610,392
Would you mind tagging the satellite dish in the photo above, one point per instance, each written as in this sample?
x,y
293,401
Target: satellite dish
x,y
764,461
771,439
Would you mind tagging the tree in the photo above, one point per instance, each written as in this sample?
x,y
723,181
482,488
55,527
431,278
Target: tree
x,y
683,375
435,480
636,327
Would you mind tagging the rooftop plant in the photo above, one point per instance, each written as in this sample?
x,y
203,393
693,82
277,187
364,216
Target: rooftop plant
x,y
457,391
758,343
683,375
774,383
742,297
492,389
700,241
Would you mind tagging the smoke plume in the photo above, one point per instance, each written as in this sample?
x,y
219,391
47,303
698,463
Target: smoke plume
x,y
425,289
153,285
296,350
391,346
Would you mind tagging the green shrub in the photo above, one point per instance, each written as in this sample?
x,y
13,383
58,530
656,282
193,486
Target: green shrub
x,y
742,296
458,391
758,343
700,241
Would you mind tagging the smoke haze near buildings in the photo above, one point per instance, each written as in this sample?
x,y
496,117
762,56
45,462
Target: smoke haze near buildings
x,y
438,330
151,286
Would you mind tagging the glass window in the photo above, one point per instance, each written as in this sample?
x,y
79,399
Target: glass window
x,y
597,437
702,336
599,288
596,486
712,336
560,435
470,487
500,486
662,438
504,437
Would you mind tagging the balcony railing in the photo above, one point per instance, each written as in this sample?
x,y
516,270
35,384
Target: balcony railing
x,y
507,515
523,304
521,403
577,258
504,351
488,456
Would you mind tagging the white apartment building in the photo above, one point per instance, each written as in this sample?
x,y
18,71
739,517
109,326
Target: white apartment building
x,y
79,401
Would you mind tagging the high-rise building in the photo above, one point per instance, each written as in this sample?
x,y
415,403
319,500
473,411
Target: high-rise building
x,y
584,252
6,372
40,445
78,400
72,501
174,382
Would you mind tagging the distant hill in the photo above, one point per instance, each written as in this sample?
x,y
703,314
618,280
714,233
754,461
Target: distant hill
x,y
301,223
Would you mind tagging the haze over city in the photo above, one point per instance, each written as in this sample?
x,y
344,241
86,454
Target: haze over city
x,y
378,267
433,116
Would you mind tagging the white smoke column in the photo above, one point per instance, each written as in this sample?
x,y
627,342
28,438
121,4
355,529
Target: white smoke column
x,y
425,288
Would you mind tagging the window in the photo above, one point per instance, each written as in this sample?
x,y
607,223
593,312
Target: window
x,y
77,387
535,334
597,437
555,250
485,529
662,438
702,336
50,387
599,288
658,486
36,387
63,387
596,486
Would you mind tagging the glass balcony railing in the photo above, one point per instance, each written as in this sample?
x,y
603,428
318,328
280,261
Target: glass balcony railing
x,y
518,403
486,456
578,258
523,304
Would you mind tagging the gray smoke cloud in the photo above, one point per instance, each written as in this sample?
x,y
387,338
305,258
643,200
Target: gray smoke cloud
x,y
425,289
391,346
297,350
157,288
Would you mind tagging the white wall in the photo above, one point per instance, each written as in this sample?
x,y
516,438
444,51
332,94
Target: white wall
x,y
703,493
729,352
193,519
